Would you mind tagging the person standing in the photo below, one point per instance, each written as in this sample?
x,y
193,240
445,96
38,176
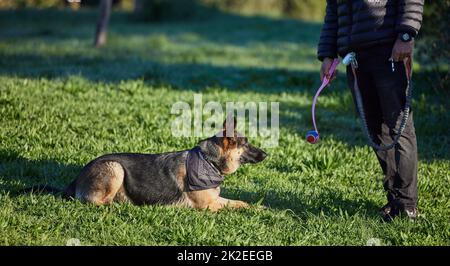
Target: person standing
x,y
381,34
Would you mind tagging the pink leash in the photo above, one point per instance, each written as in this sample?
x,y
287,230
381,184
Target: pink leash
x,y
313,135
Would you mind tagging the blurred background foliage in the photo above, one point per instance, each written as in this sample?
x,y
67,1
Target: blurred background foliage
x,y
302,9
433,48
434,45
305,9
30,3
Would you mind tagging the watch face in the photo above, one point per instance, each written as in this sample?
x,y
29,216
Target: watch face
x,y
406,37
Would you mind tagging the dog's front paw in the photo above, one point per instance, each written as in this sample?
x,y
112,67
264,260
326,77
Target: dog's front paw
x,y
240,204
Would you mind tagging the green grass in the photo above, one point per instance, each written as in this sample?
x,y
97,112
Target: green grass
x,y
62,103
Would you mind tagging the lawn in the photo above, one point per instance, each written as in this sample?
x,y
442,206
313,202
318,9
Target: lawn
x,y
63,103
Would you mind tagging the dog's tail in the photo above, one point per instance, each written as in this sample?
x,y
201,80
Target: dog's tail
x,y
45,189
41,189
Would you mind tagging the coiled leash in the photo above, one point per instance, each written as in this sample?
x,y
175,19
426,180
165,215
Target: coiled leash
x,y
350,59
406,110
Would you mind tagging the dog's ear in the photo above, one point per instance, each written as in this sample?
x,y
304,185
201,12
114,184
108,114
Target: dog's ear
x,y
203,144
229,126
228,133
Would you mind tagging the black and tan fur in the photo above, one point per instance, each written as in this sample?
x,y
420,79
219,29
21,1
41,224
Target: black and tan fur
x,y
161,178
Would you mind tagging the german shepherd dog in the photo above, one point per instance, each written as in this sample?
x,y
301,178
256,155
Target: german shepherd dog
x,y
165,178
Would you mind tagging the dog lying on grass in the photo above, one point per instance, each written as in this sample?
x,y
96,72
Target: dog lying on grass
x,y
189,178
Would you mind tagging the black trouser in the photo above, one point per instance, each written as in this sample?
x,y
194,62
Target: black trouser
x,y
383,96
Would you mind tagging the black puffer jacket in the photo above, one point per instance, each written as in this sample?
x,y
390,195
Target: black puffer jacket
x,y
351,25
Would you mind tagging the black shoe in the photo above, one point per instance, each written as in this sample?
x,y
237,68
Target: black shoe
x,y
411,213
388,212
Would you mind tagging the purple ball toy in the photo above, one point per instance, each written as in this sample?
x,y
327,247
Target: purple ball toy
x,y
312,136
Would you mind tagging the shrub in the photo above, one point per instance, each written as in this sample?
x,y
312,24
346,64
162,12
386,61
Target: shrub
x,y
434,49
166,10
304,9
250,7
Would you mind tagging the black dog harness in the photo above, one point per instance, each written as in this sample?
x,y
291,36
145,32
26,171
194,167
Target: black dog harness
x,y
201,174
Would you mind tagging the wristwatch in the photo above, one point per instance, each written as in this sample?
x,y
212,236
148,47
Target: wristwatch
x,y
405,37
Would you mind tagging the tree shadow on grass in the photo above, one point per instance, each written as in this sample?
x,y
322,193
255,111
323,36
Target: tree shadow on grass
x,y
128,60
181,76
212,25
18,173
328,202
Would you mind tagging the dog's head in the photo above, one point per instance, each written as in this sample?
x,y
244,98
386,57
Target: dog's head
x,y
227,151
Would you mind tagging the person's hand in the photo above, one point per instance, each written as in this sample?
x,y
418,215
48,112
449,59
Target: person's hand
x,y
326,64
402,50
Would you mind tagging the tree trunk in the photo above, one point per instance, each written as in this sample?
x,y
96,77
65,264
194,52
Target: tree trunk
x,y
102,23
